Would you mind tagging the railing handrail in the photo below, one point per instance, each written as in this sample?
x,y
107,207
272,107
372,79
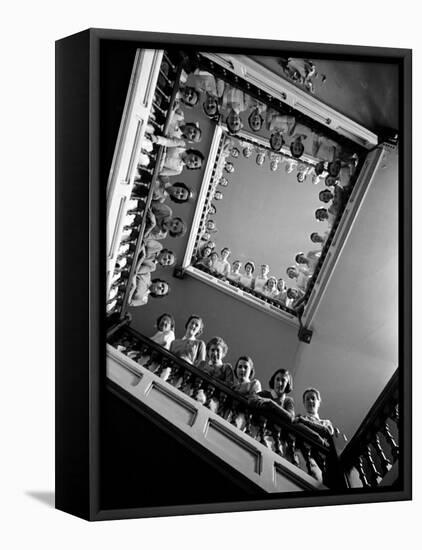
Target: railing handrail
x,y
248,290
229,76
140,239
269,415
155,174
379,411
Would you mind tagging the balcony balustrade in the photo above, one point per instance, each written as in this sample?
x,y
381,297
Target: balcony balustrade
x,y
275,454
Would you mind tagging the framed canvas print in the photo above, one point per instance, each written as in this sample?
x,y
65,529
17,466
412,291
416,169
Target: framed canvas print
x,y
233,274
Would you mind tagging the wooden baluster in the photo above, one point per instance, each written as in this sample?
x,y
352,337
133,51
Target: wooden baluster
x,y
167,369
309,461
222,404
385,430
248,423
276,435
385,464
197,385
169,62
163,74
361,472
262,430
321,460
152,359
159,109
186,382
145,353
135,355
375,476
234,412
209,393
291,453
395,415
160,91
160,368
152,121
176,372
163,365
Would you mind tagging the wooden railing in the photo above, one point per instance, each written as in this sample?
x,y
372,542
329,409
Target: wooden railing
x,y
164,99
234,80
247,290
301,448
373,453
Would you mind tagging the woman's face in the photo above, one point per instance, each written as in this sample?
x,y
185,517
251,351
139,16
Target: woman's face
x,y
330,181
311,402
194,326
292,273
159,288
192,132
271,284
280,383
248,269
243,370
190,96
276,141
233,122
165,324
264,270
225,254
281,285
193,161
213,258
211,105
297,148
179,193
325,196
206,252
215,354
321,214
236,267
315,238
255,120
166,258
175,226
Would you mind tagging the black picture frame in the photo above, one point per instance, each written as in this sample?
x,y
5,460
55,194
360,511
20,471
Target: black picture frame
x,y
80,284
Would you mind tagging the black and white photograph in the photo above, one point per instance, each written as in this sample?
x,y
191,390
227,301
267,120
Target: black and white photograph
x,y
213,208
252,275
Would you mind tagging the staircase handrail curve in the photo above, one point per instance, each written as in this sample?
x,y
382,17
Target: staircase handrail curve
x,y
379,412
292,428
